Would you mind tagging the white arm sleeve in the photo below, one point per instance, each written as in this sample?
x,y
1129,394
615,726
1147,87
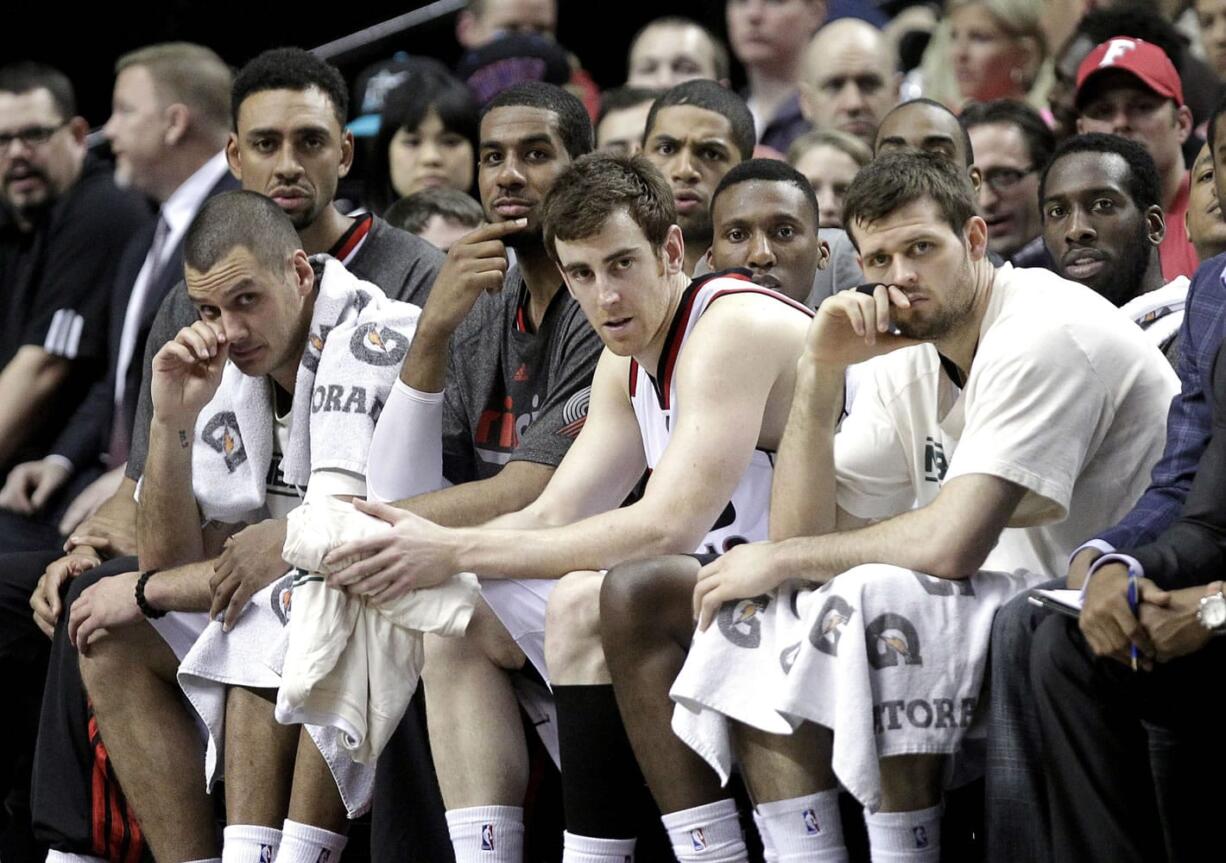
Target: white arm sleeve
x,y
406,452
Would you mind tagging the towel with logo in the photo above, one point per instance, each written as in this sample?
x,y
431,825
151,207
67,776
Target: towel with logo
x,y
866,655
357,340
352,663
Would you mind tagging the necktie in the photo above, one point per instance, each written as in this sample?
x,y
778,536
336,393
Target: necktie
x,y
117,448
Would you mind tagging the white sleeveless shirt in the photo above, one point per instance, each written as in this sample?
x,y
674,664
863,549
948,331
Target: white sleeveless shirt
x,y
655,404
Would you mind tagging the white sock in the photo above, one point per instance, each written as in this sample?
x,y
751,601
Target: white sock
x,y
592,849
487,834
302,843
804,828
905,837
206,860
706,834
248,843
769,854
54,856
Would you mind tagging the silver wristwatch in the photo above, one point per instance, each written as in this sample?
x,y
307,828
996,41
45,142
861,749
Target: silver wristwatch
x,y
1212,612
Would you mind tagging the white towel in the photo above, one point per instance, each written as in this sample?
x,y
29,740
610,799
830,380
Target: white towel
x,y
357,341
891,660
350,663
251,655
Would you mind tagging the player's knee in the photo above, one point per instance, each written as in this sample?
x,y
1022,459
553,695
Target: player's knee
x,y
113,659
572,620
635,596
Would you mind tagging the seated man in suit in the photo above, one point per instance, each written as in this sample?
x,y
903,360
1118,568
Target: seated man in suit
x,y
1164,601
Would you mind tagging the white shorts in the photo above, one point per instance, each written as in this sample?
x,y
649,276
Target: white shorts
x,y
180,629
520,605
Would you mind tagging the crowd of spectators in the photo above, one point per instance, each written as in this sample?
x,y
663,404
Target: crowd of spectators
x,y
477,464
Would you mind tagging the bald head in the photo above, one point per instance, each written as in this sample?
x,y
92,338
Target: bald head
x,y
849,80
923,124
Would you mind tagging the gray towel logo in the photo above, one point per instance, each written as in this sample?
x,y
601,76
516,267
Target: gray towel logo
x,y
282,596
315,348
788,657
378,346
221,433
740,623
891,640
828,629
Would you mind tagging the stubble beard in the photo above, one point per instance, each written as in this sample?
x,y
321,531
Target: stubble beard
x,y
953,312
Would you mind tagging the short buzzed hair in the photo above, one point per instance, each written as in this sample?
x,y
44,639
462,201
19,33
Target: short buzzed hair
x,y
600,184
895,180
191,74
714,97
574,124
290,69
1143,186
719,52
933,103
240,218
26,77
412,212
769,171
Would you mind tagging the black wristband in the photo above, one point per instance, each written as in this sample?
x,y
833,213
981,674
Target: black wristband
x,y
143,604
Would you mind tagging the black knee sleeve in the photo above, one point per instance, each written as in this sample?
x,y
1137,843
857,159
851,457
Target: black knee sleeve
x,y
602,787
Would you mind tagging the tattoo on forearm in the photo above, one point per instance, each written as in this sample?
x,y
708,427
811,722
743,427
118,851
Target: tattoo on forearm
x,y
184,440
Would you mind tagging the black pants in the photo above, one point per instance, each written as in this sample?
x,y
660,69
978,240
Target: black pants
x,y
1097,717
23,666
407,814
77,805
40,532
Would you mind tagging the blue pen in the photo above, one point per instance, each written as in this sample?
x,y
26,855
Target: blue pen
x,y
1132,604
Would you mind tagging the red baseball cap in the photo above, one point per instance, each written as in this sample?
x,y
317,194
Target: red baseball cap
x,y
1142,59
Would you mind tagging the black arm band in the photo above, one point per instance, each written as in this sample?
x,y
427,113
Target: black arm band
x,y
143,604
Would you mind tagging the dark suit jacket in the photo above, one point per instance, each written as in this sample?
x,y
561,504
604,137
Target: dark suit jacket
x,y
87,435
1192,551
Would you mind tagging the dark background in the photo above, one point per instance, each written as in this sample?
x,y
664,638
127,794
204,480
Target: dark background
x,y
85,40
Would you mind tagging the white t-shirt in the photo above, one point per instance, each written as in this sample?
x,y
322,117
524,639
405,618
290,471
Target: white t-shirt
x,y
1066,397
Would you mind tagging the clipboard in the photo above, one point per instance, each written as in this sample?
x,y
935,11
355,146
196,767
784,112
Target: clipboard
x,y
1067,602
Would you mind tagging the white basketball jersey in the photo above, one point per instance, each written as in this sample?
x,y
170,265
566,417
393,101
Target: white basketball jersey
x,y
655,404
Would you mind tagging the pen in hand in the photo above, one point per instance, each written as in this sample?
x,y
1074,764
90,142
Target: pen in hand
x,y
1132,604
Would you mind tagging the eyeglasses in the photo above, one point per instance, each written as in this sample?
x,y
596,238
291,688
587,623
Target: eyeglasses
x,y
1003,179
30,136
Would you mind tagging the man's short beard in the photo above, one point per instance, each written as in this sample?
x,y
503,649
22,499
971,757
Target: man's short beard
x,y
948,319
1123,282
530,239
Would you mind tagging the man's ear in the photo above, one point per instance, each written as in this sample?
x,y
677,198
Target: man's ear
x,y
823,258
808,100
346,153
1183,118
304,273
1155,224
674,251
178,119
78,127
976,178
233,158
976,233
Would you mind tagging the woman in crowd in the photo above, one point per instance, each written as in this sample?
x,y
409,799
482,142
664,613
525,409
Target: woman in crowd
x,y
829,159
427,138
988,49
